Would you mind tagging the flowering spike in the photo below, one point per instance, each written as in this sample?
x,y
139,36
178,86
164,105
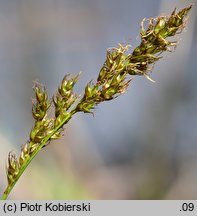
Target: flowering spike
x,y
113,80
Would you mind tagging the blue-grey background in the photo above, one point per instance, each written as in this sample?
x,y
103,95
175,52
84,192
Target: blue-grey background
x,y
143,145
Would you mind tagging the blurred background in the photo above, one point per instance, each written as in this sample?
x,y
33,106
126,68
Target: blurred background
x,y
142,145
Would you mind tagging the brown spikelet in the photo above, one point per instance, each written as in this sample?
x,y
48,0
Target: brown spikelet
x,y
119,68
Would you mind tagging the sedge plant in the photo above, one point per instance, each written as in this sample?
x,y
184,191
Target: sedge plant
x,y
120,67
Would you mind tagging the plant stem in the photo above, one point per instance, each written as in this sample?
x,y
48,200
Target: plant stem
x,y
42,144
111,82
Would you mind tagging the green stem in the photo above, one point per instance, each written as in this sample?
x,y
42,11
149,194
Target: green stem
x,y
43,143
111,81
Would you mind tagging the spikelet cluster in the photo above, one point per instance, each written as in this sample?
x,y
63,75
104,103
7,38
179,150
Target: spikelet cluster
x,y
154,41
42,128
113,80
